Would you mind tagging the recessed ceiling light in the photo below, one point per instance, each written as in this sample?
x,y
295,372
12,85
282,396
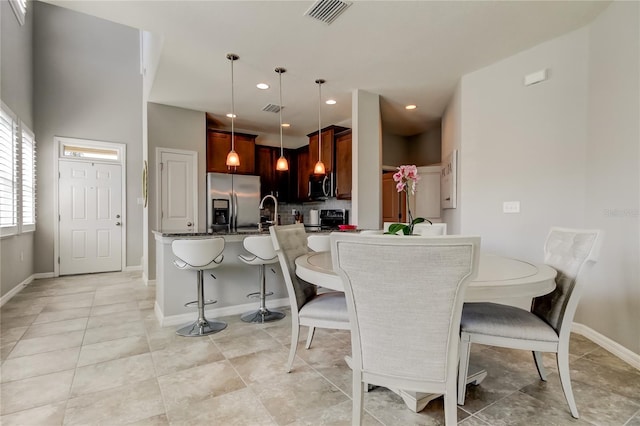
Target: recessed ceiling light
x,y
231,115
262,86
330,102
410,107
286,125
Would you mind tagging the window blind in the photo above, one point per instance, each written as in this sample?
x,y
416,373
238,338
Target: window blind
x,y
8,173
28,173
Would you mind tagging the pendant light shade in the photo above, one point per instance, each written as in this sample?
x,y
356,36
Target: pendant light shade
x,y
233,160
319,169
282,165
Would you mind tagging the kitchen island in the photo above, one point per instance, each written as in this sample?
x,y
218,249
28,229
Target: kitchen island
x,y
233,281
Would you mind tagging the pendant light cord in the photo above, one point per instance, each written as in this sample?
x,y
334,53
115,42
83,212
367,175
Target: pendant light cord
x,y
319,125
233,107
280,71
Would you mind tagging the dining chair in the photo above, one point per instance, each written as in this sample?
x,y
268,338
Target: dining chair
x,y
319,242
405,296
308,307
547,326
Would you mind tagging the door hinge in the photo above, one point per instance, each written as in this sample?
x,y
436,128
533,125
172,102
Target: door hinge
x,y
161,166
58,260
59,219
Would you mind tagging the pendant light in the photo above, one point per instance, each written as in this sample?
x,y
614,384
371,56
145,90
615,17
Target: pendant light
x,y
282,165
319,169
233,160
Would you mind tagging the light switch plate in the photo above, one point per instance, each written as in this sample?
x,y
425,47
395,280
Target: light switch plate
x,y
511,207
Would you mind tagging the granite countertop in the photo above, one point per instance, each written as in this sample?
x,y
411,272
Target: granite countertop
x,y
238,234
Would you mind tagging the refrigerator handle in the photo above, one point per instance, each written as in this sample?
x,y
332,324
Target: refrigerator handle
x,y
232,212
235,217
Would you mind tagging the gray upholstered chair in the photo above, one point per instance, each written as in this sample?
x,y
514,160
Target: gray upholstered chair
x,y
405,296
547,327
308,308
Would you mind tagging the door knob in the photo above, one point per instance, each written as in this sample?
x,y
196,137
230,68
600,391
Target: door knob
x,y
117,216
118,224
189,224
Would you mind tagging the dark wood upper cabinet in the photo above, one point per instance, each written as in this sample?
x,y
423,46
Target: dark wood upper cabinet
x,y
343,165
272,181
303,172
219,145
328,147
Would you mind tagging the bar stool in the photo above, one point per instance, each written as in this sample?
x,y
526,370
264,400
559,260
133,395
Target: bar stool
x,y
199,255
262,254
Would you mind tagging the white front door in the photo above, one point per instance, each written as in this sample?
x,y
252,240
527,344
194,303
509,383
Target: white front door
x,y
90,214
178,190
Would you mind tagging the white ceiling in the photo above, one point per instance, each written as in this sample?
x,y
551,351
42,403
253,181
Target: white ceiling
x,y
406,51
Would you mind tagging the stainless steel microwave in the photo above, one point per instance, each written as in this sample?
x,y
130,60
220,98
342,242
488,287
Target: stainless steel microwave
x,y
321,187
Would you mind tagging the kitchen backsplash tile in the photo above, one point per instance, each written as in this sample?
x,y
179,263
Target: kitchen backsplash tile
x,y
287,218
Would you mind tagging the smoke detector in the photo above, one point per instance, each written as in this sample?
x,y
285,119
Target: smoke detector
x,y
327,10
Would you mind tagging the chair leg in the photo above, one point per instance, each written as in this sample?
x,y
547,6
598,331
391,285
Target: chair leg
x,y
358,398
450,408
463,366
310,337
565,380
537,357
295,332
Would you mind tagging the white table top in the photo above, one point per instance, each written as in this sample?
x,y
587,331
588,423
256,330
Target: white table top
x,y
498,277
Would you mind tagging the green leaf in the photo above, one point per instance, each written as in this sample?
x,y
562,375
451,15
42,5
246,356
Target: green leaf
x,y
395,227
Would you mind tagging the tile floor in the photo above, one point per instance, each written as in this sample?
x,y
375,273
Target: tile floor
x,y
87,350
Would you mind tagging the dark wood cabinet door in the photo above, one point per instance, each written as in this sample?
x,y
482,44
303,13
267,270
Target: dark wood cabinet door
x,y
327,150
218,146
265,168
246,149
393,203
343,166
304,171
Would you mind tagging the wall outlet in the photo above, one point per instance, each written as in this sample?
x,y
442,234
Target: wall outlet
x,y
511,207
293,212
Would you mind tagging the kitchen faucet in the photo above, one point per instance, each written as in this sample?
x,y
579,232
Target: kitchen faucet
x,y
275,202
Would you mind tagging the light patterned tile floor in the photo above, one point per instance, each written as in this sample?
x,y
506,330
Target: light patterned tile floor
x,y
87,349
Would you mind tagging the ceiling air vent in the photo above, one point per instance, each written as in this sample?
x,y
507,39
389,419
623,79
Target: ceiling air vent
x,y
272,108
327,10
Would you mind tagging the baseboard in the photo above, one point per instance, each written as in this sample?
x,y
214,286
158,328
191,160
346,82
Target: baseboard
x,y
615,348
150,283
44,275
214,313
132,268
17,289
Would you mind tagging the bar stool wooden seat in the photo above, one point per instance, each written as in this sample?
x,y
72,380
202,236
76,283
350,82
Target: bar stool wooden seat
x,y
262,254
199,255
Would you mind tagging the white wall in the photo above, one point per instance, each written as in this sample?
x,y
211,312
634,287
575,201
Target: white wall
x,y
567,149
525,143
88,86
452,140
177,128
611,305
366,202
16,91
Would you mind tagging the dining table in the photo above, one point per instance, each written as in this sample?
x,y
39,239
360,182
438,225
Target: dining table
x,y
499,278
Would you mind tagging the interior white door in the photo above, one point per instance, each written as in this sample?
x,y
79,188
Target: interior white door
x,y
178,187
90,215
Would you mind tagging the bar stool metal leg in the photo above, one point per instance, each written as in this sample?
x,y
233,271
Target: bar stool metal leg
x,y
201,326
262,314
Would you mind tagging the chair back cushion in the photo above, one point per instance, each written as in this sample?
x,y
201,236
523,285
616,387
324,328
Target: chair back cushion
x,y
319,242
198,252
405,295
430,229
260,246
290,242
568,251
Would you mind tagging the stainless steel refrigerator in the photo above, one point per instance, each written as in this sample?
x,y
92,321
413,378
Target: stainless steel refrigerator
x,y
239,195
